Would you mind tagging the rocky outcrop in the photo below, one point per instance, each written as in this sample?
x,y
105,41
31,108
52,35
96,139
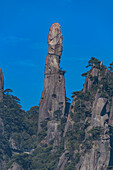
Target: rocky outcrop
x,y
88,82
94,75
99,156
1,84
52,101
79,137
93,152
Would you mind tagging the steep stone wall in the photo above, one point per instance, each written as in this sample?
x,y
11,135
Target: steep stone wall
x,y
99,155
53,96
94,150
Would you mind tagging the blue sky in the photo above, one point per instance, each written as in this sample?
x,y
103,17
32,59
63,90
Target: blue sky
x,y
87,28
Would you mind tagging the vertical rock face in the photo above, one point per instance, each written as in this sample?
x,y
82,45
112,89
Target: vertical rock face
x,y
88,125
1,84
53,96
99,156
88,82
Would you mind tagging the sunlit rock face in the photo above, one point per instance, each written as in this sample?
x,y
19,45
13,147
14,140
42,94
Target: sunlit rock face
x,y
1,84
53,96
99,156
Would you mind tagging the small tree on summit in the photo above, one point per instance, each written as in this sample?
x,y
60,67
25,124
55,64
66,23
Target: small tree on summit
x,y
111,66
93,61
84,74
7,91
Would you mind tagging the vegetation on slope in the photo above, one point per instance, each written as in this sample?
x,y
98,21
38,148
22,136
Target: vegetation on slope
x,y
19,142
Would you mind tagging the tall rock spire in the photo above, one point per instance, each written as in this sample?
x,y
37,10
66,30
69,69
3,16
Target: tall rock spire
x,y
1,84
53,96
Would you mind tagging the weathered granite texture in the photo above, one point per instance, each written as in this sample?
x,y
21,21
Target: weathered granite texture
x,y
53,96
1,84
88,82
94,72
62,161
99,156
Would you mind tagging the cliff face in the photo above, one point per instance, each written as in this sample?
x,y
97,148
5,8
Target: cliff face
x,y
85,130
98,156
53,96
89,123
75,138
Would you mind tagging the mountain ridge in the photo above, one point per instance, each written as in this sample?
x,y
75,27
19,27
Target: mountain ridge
x,y
69,137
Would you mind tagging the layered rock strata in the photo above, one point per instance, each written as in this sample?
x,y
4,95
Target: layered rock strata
x,y
99,155
53,97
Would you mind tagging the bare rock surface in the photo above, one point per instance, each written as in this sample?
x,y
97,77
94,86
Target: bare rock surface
x,y
53,95
62,161
94,72
15,166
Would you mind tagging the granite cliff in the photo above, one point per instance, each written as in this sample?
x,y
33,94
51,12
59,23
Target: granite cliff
x,y
79,137
88,140
53,100
53,96
86,137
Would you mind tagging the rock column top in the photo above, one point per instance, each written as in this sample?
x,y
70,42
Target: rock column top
x,y
55,40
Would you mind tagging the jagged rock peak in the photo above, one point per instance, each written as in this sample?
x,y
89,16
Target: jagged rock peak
x,y
54,82
1,84
55,40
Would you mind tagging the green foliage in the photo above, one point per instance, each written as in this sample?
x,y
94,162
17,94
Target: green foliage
x,y
84,74
42,158
94,61
24,160
76,93
18,126
95,132
70,166
42,135
22,126
111,66
67,99
7,91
